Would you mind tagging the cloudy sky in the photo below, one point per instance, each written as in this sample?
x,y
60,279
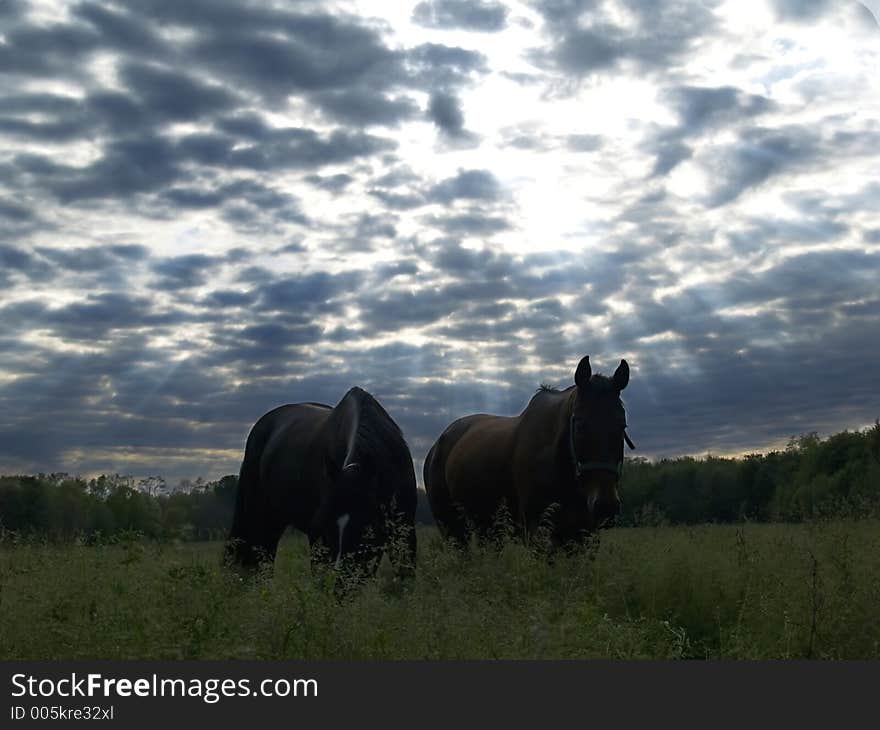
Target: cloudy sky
x,y
211,208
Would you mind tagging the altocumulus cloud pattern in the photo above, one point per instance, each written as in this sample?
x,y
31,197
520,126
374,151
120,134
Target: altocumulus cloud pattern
x,y
208,209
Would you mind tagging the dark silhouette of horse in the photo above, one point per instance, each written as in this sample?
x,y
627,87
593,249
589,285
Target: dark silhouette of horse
x,y
343,475
565,449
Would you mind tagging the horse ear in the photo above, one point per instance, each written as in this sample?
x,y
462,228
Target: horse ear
x,y
583,372
621,375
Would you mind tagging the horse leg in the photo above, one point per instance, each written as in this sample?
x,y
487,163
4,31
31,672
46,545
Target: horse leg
x,y
543,530
253,537
503,527
266,543
238,550
320,554
453,520
448,514
457,528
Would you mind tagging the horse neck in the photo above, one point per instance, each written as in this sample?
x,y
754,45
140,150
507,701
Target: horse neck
x,y
563,431
551,419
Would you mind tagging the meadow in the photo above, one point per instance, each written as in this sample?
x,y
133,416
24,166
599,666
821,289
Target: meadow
x,y
737,591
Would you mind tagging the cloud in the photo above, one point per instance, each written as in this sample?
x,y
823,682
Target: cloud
x,y
701,107
445,111
668,154
813,280
481,16
740,365
585,38
700,110
116,112
123,31
801,10
244,203
288,147
470,223
471,293
319,291
43,116
317,52
399,201
361,107
207,209
126,167
94,318
14,260
12,10
590,49
437,66
47,50
229,298
759,155
184,272
332,183
767,234
365,232
131,166
466,185
170,95
14,212
94,259
584,142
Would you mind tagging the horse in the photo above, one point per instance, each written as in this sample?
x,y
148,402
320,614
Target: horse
x,y
557,464
343,475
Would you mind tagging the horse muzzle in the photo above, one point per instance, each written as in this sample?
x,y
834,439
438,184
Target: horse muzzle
x,y
603,502
605,511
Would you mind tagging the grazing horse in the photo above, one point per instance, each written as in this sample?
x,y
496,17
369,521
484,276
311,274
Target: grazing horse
x,y
565,449
343,475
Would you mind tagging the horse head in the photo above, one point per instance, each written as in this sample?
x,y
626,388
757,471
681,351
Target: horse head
x,y
597,432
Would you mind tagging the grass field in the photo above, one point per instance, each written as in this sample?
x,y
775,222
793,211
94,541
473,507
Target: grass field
x,y
749,591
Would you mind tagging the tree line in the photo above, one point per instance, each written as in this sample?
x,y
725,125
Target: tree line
x,y
61,507
811,478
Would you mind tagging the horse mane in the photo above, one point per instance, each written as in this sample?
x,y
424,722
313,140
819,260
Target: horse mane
x,y
545,391
598,383
377,435
602,382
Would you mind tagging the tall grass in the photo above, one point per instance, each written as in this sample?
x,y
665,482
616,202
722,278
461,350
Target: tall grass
x,y
746,591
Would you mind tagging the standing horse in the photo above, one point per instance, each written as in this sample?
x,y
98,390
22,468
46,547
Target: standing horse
x,y
564,449
343,475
